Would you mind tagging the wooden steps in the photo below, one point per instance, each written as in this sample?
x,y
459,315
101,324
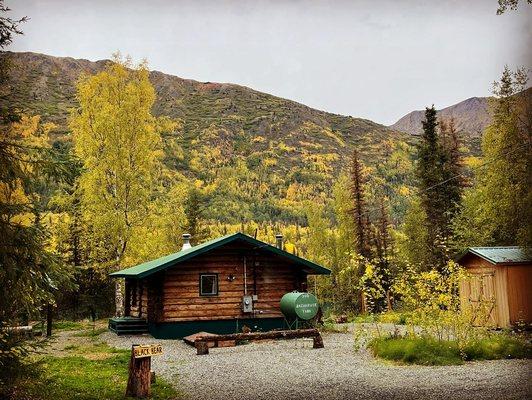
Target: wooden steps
x,y
128,326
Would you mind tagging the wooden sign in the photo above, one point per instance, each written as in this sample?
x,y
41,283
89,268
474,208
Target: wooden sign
x,y
149,350
139,381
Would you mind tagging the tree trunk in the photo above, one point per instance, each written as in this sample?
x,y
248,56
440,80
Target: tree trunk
x,y
119,298
48,320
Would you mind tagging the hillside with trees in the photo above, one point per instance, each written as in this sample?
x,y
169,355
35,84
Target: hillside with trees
x,y
105,165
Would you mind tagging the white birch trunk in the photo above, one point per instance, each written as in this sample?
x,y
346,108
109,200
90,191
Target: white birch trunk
x,y
119,298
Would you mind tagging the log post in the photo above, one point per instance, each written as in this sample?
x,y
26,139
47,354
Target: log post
x,y
202,348
139,381
318,342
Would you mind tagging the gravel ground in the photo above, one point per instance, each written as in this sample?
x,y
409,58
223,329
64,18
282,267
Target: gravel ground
x,y
292,369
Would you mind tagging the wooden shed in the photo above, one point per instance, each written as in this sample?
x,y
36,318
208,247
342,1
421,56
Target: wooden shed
x,y
217,286
501,281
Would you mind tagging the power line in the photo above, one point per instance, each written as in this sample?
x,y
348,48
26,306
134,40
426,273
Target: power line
x,y
461,175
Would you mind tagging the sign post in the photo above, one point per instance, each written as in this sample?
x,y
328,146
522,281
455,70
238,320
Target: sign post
x,y
139,381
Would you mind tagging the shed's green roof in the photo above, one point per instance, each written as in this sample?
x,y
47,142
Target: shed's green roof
x,y
150,267
500,255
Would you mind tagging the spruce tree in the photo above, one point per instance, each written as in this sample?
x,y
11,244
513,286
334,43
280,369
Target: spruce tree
x,y
359,206
431,173
194,212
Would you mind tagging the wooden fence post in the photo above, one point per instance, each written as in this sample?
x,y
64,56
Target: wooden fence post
x,y
139,381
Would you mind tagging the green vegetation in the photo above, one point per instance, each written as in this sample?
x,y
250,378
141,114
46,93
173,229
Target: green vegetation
x,y
142,157
429,351
69,325
91,332
88,372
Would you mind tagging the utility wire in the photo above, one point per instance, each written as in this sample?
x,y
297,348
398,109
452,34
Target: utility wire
x,y
461,175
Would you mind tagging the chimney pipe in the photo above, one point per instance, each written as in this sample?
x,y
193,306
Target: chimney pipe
x,y
186,241
279,241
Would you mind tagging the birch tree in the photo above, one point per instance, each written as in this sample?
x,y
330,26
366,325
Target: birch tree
x,y
119,142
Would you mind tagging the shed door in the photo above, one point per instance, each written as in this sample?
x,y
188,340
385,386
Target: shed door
x,y
480,291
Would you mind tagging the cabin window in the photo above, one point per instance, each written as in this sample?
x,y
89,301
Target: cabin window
x,y
209,284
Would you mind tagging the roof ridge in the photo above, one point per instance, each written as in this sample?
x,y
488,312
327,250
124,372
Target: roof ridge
x,y
149,267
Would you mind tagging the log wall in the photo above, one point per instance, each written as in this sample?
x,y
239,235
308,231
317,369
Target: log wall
x,y
267,276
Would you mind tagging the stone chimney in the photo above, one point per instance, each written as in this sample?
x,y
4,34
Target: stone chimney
x,y
186,241
279,241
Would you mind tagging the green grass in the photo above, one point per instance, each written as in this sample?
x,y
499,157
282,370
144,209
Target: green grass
x,y
91,332
497,347
87,372
68,325
427,351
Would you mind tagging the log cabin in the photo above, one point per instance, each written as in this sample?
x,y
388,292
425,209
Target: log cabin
x,y
500,283
218,286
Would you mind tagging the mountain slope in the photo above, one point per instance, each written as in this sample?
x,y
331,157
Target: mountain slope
x,y
471,116
261,156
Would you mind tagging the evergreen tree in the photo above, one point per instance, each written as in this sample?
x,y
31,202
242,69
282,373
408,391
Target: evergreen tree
x,y
30,273
498,208
194,212
440,185
453,176
360,217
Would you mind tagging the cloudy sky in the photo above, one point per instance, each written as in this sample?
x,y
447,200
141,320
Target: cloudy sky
x,y
371,59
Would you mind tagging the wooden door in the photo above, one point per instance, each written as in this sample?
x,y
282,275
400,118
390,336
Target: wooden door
x,y
479,293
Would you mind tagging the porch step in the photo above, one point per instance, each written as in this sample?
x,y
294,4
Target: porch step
x,y
128,326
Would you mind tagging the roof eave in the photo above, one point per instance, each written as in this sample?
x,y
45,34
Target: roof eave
x,y
319,270
490,260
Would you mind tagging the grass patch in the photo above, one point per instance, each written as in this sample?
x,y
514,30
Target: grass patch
x,y
68,325
89,372
428,351
92,333
497,347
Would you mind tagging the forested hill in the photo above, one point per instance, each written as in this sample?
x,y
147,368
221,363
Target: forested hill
x,y
274,151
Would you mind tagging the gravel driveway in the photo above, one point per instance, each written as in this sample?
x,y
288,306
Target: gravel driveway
x,y
292,369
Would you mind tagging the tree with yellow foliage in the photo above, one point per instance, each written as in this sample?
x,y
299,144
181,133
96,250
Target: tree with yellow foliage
x,y
119,142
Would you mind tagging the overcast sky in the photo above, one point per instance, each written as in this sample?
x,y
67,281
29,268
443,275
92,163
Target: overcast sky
x,y
372,59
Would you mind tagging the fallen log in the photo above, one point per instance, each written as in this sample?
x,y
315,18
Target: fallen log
x,y
201,342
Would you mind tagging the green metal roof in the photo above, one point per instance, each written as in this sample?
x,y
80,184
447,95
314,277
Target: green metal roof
x,y
151,267
500,255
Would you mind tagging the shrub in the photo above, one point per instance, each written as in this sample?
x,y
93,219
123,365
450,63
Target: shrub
x,y
496,347
423,351
430,351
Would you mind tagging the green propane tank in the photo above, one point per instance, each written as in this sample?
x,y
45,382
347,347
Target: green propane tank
x,y
299,305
